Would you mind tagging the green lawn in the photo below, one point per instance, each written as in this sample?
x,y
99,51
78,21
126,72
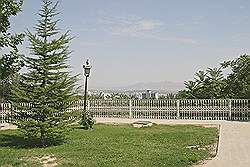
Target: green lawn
x,y
114,145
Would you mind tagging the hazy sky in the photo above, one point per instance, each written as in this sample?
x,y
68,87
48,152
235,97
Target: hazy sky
x,y
130,41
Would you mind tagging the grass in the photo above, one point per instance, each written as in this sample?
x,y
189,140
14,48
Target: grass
x,y
114,145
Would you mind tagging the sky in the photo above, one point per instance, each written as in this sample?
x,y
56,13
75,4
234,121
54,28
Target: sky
x,y
131,41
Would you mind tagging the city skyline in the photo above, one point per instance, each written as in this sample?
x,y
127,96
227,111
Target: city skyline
x,y
147,41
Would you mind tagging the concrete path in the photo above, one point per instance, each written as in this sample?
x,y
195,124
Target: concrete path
x,y
234,141
234,146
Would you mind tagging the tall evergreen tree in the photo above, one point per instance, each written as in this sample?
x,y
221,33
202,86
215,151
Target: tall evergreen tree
x,y
47,87
10,62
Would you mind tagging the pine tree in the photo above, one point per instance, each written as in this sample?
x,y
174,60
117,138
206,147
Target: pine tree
x,y
45,92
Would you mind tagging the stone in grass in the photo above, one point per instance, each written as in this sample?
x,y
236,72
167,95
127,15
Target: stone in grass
x,y
193,147
140,124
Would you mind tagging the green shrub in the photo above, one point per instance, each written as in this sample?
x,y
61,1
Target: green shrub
x,y
87,120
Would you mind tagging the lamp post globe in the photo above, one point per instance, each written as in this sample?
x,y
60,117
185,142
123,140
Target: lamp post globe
x,y
87,68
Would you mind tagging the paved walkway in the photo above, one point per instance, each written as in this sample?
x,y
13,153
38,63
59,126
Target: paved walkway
x,y
234,141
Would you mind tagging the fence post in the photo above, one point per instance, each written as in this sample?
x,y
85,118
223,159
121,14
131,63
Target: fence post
x,y
230,109
88,105
178,109
8,114
130,109
1,113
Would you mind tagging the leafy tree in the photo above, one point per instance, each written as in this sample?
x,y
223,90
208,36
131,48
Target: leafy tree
x,y
184,94
168,96
215,84
10,62
206,85
192,88
47,88
94,96
212,84
200,77
238,81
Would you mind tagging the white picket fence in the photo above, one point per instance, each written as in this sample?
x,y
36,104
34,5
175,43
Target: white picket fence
x,y
201,109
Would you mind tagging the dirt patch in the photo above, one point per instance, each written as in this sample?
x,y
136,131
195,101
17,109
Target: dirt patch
x,y
47,161
6,126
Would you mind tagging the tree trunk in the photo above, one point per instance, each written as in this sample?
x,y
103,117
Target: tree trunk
x,y
42,137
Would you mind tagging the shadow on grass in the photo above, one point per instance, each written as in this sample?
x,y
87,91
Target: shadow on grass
x,y
83,128
19,141
73,127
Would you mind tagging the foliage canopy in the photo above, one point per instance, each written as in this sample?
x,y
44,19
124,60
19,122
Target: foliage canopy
x,y
10,62
211,84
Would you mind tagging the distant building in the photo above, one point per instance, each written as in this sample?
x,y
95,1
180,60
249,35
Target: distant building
x,y
150,95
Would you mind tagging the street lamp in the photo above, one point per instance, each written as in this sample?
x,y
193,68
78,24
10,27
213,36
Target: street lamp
x,y
87,68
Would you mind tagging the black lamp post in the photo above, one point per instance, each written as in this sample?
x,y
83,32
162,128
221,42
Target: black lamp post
x,y
87,68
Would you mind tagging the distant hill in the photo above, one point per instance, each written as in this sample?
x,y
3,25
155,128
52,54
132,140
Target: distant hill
x,y
161,86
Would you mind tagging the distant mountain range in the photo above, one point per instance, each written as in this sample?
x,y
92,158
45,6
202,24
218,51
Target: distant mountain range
x,y
161,86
